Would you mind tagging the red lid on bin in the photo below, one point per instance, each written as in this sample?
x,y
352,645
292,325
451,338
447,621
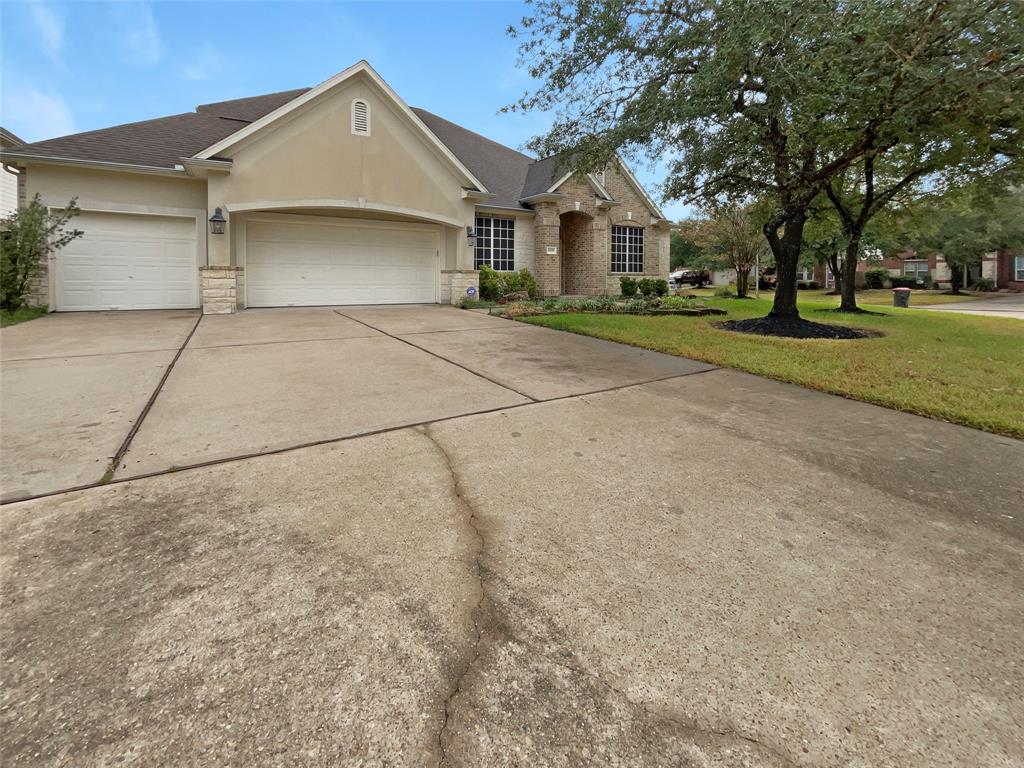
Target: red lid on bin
x,y
901,289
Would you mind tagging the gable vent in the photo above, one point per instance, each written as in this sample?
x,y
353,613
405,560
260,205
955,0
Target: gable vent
x,y
360,118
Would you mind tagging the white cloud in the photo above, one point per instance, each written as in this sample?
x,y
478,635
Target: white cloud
x,y
204,64
137,31
34,115
50,27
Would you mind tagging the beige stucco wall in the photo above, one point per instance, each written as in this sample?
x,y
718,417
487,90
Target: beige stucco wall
x,y
115,190
311,157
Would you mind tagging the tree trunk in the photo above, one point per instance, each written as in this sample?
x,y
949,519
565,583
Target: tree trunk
x,y
956,277
786,250
837,274
742,282
849,301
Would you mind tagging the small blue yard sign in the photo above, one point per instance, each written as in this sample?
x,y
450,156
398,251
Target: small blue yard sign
x,y
471,291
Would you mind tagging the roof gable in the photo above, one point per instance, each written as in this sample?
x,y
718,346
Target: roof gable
x,y
361,68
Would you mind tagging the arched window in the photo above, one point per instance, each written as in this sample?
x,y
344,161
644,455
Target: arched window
x,y
360,117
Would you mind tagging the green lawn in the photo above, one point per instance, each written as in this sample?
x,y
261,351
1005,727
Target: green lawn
x,y
959,368
879,297
13,317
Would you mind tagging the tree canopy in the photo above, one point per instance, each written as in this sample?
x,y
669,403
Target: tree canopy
x,y
732,236
776,98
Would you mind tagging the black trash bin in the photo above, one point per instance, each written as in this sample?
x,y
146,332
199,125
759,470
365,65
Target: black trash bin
x,y
901,297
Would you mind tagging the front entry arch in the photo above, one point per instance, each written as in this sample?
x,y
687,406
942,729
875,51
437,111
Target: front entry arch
x,y
576,246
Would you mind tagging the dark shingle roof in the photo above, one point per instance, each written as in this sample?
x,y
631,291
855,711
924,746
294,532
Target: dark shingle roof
x,y
501,169
8,139
251,109
540,177
159,143
162,142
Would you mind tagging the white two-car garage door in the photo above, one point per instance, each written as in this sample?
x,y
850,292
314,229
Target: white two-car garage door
x,y
320,261
128,261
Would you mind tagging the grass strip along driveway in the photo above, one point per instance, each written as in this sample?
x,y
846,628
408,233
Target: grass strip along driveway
x,y
963,369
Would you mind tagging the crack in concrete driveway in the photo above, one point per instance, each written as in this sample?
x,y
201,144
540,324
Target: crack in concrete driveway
x,y
479,610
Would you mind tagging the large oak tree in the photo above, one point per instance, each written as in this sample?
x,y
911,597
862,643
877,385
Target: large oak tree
x,y
769,98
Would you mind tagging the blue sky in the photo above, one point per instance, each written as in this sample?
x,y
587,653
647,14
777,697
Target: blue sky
x,y
70,67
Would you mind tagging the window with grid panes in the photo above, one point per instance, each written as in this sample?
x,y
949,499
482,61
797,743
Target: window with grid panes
x,y
627,249
496,243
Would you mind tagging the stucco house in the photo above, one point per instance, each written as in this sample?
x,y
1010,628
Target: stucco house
x,y
338,194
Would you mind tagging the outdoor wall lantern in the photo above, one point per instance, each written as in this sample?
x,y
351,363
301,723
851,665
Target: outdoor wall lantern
x,y
217,222
471,236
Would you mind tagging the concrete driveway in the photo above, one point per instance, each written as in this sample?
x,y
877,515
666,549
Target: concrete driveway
x,y
679,566
72,386
151,391
1011,305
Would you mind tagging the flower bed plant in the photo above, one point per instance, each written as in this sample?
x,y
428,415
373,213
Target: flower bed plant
x,y
635,305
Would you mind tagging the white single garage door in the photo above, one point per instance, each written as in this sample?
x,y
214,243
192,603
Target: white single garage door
x,y
324,261
128,261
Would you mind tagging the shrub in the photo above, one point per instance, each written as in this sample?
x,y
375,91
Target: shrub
x,y
30,235
517,282
903,281
814,285
645,286
677,302
494,284
628,286
875,277
802,285
983,284
635,305
725,291
660,287
489,288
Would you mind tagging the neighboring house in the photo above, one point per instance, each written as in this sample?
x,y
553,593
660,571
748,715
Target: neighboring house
x,y
339,194
8,178
1005,269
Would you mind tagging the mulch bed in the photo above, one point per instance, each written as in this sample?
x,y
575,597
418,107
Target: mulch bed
x,y
795,329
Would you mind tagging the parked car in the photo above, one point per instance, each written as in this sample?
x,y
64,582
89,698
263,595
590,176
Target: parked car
x,y
698,278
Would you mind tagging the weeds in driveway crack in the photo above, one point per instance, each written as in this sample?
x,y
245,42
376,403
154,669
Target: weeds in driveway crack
x,y
480,608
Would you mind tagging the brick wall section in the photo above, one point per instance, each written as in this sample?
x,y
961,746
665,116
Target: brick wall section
x,y
219,285
582,274
583,261
547,267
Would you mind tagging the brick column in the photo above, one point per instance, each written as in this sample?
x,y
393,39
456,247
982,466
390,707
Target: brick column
x,y
220,289
547,265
